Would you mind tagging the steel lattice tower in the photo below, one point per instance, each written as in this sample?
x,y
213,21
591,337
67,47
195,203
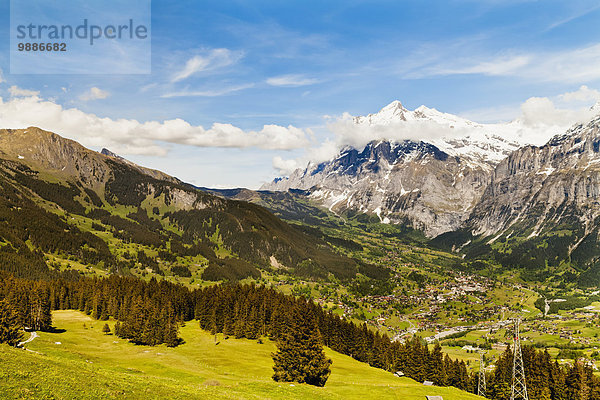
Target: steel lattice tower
x,y
481,386
519,389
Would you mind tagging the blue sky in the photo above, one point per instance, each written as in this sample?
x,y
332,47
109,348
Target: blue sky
x,y
287,65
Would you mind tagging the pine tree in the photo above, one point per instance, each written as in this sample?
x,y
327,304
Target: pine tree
x,y
499,387
118,329
228,325
212,322
252,325
40,312
436,371
9,326
415,355
557,382
170,338
152,327
300,356
170,327
593,384
106,329
576,382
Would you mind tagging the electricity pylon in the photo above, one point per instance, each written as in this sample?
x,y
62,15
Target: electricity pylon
x,y
481,386
519,389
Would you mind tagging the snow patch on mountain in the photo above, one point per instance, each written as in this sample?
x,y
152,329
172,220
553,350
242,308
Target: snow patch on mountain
x,y
482,144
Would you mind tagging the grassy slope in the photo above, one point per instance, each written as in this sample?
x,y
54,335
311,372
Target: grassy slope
x,y
88,364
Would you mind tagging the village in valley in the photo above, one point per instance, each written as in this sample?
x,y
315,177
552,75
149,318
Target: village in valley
x,y
466,313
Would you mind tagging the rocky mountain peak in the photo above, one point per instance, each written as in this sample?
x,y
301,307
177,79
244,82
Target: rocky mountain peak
x,y
394,111
44,150
48,151
582,139
431,183
109,153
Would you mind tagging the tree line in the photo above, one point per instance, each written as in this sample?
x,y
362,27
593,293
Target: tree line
x,y
546,379
150,313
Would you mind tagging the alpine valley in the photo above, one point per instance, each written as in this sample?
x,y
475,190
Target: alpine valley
x,y
300,200
393,263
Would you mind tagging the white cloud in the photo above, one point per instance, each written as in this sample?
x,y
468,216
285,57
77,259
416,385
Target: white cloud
x,y
94,94
285,167
291,80
128,136
580,65
584,93
537,111
348,133
572,18
565,66
323,152
211,60
564,109
534,122
147,87
16,91
208,93
499,66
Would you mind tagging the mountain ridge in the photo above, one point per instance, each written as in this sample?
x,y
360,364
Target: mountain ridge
x,y
430,185
541,210
433,186
52,151
54,189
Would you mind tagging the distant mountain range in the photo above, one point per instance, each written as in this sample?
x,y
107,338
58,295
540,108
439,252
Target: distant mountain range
x,y
433,184
541,209
488,193
484,195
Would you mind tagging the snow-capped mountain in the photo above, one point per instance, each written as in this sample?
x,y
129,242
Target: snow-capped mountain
x,y
423,167
484,144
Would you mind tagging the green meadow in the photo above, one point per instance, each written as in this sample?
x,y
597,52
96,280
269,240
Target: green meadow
x,y
78,361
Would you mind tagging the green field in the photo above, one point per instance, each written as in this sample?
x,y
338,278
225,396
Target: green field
x,y
83,363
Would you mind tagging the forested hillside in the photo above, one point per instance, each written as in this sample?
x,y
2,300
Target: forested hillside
x,y
61,201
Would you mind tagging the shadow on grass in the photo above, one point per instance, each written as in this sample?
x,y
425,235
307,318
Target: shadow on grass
x,y
179,342
54,329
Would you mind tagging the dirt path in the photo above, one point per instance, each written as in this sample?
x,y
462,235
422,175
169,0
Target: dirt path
x,y
33,336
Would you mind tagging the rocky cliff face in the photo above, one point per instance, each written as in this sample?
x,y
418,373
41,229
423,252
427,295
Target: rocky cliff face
x,y
51,154
433,186
536,189
412,182
48,151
